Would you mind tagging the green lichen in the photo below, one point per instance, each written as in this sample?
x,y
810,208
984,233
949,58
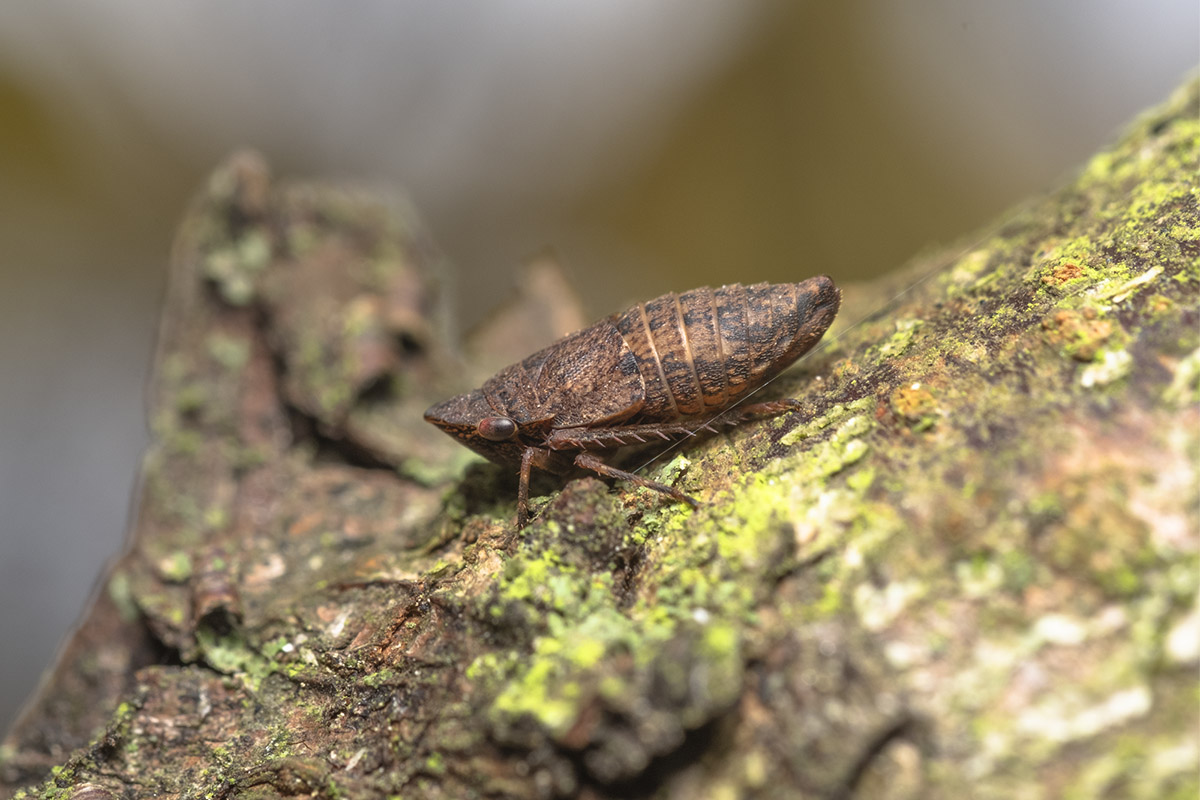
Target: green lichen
x,y
230,352
1184,388
121,593
230,653
235,268
176,567
899,342
1112,365
709,571
837,414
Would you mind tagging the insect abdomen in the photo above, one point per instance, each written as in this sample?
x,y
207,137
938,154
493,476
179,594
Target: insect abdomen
x,y
701,351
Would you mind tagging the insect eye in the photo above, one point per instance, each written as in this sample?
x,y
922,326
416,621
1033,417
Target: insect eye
x,y
497,429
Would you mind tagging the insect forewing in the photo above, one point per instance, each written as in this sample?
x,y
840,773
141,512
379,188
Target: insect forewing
x,y
589,378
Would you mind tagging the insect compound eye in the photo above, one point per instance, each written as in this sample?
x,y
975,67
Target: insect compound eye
x,y
497,429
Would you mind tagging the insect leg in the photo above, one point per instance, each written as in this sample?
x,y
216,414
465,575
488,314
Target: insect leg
x,y
592,462
620,436
530,458
602,438
753,411
527,459
523,487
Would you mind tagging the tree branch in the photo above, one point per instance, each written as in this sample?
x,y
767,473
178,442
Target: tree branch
x,y
966,567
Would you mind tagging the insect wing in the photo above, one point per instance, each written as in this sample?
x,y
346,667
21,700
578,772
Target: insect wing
x,y
588,378
591,378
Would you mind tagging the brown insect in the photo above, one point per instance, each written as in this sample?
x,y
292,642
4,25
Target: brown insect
x,y
665,368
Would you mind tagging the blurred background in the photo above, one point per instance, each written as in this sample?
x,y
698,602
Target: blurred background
x,y
655,146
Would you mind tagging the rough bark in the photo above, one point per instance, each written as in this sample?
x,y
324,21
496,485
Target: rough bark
x,y
967,568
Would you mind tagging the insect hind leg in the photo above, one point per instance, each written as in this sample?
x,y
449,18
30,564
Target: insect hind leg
x,y
757,411
595,464
624,435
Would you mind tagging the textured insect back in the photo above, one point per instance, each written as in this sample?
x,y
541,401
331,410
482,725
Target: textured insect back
x,y
707,349
703,350
779,324
658,334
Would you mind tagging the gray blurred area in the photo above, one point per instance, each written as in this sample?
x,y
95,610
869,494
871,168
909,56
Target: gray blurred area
x,y
655,146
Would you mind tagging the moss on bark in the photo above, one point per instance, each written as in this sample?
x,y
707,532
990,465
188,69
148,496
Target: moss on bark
x,y
967,567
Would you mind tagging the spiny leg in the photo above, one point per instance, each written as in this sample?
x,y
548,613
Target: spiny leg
x,y
589,461
570,439
622,435
756,411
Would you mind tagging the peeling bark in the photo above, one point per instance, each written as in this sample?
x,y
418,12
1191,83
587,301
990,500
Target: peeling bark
x,y
968,567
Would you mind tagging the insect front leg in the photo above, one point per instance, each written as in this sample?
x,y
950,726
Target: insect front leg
x,y
532,457
595,464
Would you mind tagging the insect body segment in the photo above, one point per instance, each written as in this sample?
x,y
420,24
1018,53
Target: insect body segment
x,y
663,369
703,350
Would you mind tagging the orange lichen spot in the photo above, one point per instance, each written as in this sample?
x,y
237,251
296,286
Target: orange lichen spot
x,y
1079,334
1062,273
